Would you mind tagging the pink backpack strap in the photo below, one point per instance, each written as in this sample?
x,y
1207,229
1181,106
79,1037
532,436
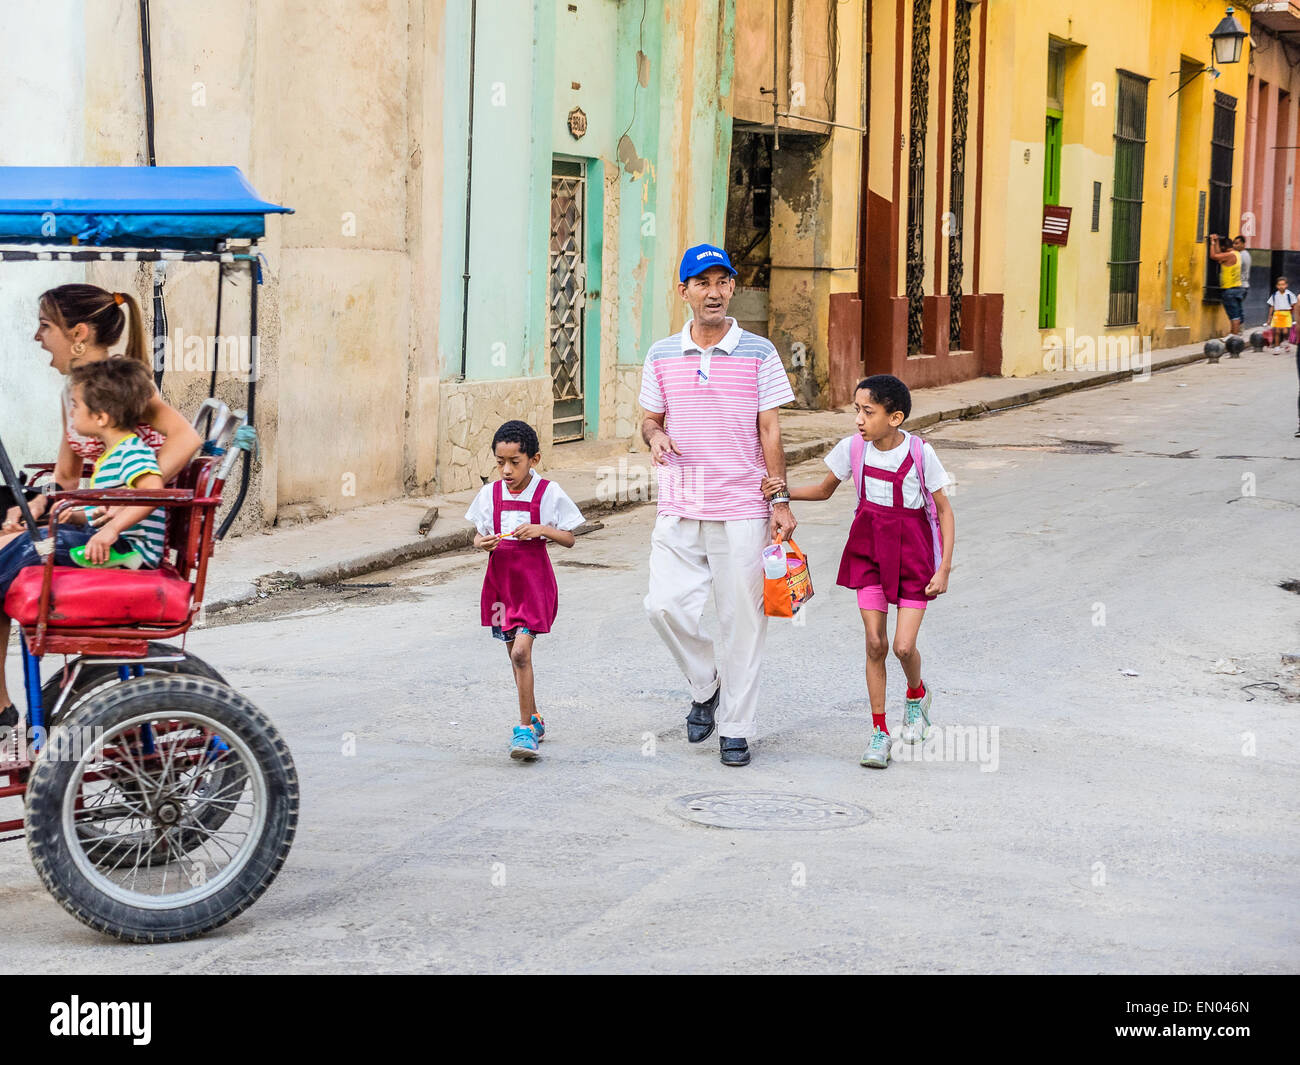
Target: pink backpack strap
x,y
916,447
857,448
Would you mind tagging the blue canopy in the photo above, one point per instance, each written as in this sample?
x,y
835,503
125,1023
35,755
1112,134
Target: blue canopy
x,y
179,207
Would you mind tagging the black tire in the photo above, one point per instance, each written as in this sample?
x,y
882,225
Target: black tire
x,y
54,792
92,679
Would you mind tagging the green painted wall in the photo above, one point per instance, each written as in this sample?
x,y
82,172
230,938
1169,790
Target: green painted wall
x,y
504,251
672,168
680,130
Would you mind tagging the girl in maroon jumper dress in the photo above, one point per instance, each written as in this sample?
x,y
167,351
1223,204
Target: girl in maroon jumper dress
x,y
514,518
894,553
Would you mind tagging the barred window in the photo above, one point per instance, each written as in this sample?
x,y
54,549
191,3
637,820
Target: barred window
x,y
1126,198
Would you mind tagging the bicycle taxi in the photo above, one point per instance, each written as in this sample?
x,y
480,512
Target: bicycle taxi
x,y
157,802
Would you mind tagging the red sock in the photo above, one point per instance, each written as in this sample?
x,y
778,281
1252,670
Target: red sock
x,y
878,721
917,693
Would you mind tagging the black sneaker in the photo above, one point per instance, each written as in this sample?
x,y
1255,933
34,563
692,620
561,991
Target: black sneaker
x,y
735,750
699,722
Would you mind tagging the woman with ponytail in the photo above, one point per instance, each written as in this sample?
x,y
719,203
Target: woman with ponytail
x,y
78,325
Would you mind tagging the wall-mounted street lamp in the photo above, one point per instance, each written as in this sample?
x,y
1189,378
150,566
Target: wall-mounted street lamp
x,y
1227,38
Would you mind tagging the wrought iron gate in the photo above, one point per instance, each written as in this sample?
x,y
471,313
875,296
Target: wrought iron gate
x,y
568,283
1220,216
920,116
957,181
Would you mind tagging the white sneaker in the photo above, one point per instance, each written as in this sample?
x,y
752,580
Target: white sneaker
x,y
916,719
877,753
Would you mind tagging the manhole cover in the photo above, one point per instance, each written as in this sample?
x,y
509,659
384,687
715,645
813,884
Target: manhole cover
x,y
766,809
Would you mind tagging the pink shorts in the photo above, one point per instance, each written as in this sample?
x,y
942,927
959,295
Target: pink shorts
x,y
873,598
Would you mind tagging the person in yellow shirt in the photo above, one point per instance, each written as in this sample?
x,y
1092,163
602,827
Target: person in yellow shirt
x,y
1232,293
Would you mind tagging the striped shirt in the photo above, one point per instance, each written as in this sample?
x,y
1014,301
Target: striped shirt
x,y
120,467
711,401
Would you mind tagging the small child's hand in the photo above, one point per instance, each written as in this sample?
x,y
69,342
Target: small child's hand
x,y
938,583
99,546
489,542
772,485
528,532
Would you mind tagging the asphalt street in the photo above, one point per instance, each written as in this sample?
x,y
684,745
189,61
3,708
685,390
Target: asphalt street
x,y
1117,802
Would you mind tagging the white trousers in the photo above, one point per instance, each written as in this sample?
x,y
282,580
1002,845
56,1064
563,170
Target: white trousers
x,y
686,557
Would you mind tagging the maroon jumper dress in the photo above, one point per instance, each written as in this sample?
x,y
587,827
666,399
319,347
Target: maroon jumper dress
x,y
889,546
519,587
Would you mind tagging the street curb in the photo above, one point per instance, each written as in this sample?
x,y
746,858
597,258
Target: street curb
x,y
446,543
335,572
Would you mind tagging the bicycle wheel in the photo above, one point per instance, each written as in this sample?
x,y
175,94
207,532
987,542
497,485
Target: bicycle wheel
x,y
96,677
123,764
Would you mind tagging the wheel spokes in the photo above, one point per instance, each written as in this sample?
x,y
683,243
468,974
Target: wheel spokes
x,y
166,826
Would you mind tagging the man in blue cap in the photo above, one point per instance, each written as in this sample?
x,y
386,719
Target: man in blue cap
x,y
712,395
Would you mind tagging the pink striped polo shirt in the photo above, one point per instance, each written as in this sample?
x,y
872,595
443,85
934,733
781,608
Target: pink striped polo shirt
x,y
711,401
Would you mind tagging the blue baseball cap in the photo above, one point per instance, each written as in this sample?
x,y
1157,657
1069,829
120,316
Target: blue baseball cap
x,y
700,258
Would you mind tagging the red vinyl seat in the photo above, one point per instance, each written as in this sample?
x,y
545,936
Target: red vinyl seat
x,y
82,598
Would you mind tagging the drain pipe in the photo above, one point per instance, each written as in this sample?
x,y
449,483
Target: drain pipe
x,y
146,54
159,267
469,180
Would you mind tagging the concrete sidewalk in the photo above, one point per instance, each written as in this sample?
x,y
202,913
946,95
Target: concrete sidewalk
x,y
599,476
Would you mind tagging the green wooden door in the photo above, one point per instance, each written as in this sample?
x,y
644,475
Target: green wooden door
x,y
1052,195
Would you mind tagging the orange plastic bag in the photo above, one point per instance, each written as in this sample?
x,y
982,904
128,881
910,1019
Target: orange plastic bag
x,y
784,595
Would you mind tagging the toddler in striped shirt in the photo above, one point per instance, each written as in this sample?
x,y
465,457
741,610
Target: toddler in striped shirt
x,y
106,398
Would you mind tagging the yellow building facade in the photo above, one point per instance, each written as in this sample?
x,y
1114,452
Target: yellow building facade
x,y
1111,73
906,210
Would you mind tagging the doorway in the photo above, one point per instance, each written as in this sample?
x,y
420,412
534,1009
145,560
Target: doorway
x,y
566,313
1048,266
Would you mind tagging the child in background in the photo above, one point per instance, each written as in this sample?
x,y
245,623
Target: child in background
x,y
892,555
1281,315
514,518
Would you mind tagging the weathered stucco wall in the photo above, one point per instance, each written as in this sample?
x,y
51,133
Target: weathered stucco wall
x,y
310,100
355,115
345,278
802,33
472,412
41,105
816,174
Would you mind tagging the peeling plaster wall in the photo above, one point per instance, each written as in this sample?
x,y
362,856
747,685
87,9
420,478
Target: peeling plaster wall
x,y
355,115
678,141
651,192
815,175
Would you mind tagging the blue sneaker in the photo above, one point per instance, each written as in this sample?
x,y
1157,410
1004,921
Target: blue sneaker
x,y
524,744
539,728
